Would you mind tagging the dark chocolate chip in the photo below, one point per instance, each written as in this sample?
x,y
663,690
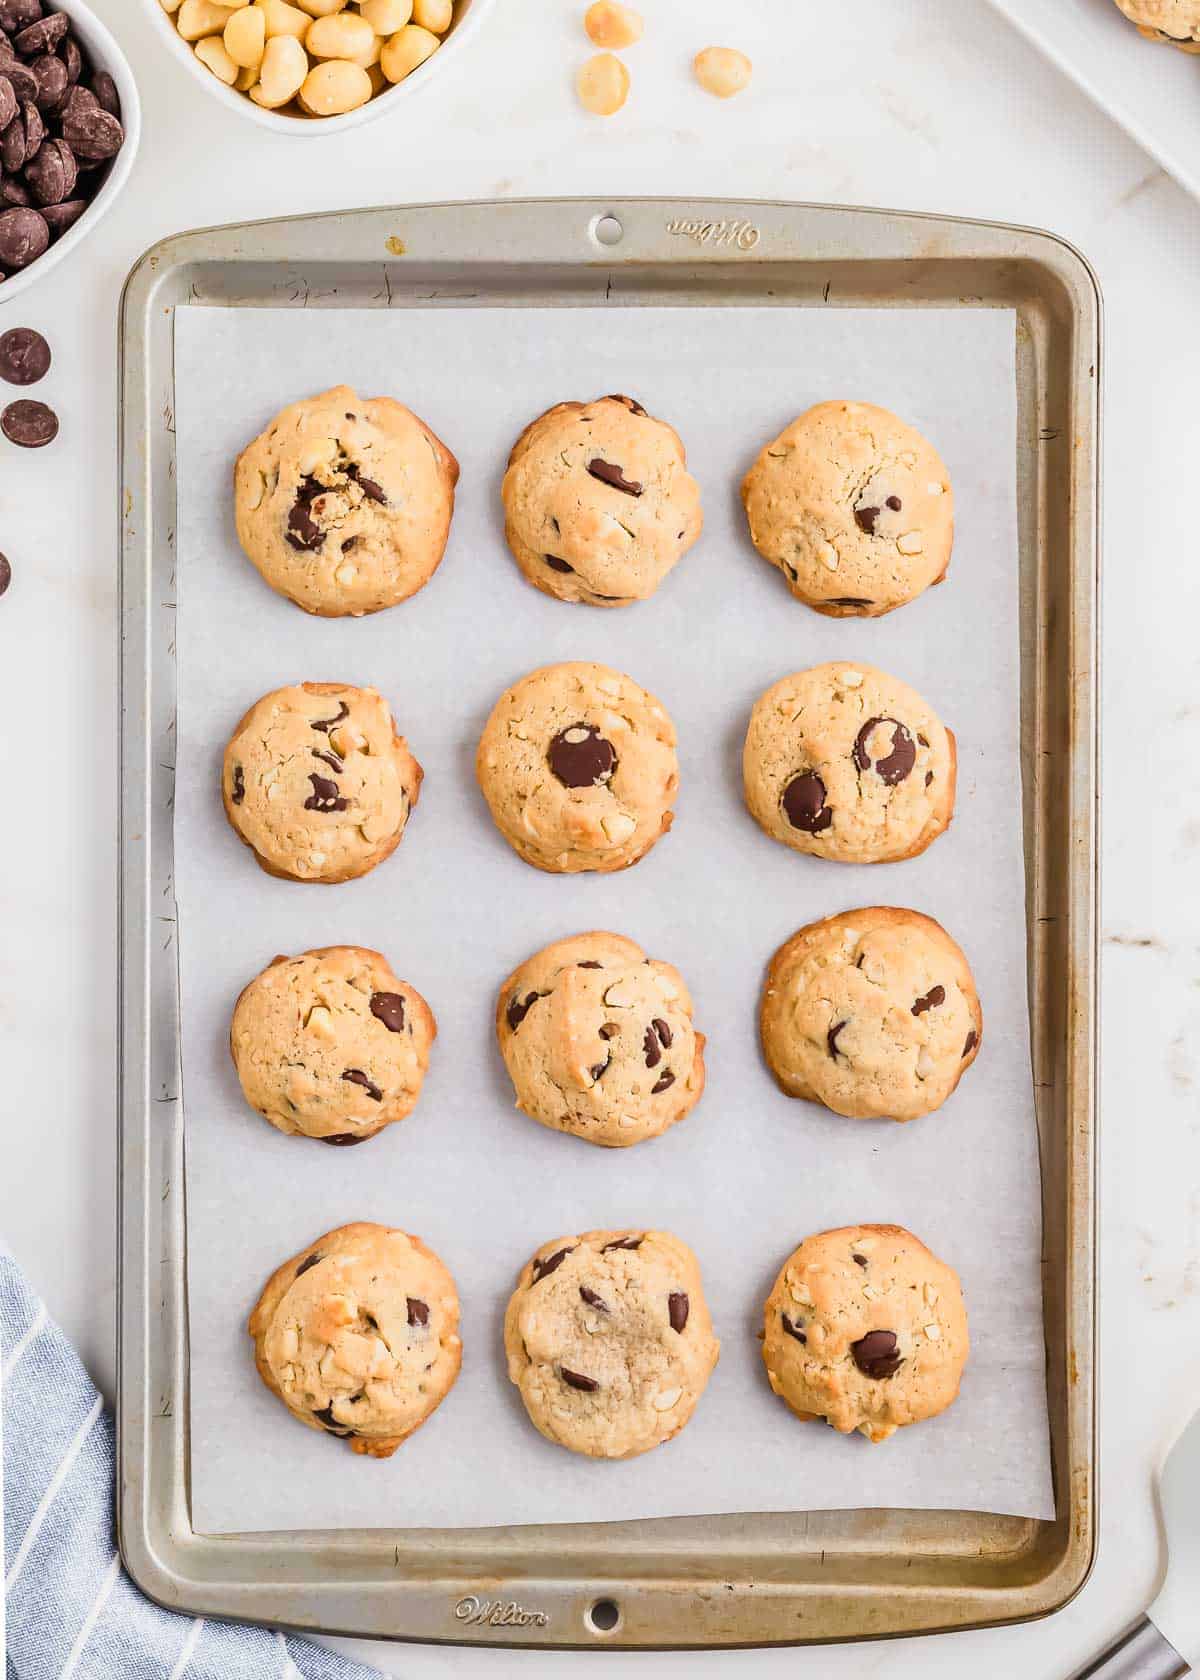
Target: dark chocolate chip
x,y
35,126
677,1310
388,1007
59,217
24,235
586,1385
631,403
324,795
580,756
8,102
14,147
42,36
865,517
600,1069
307,1265
518,1008
895,765
859,1260
928,777
372,491
239,784
972,1041
5,573
589,964
663,1083
50,175
831,1038
50,74
332,759
876,1354
592,1299
849,601
343,1140
91,132
623,1242
609,1030
17,14
15,193
665,1035
543,1268
105,90
651,1048
324,725
356,1076
931,1000
24,356
804,803
557,565
894,503
418,1311
614,477
303,532
73,59
792,1328
24,82
29,424
327,1421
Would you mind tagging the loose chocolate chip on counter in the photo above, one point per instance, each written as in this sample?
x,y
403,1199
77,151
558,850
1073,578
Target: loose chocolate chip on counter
x,y
24,235
31,425
876,1354
557,565
865,517
239,784
933,999
327,1421
303,532
5,573
859,1260
324,795
623,1242
592,1299
586,1385
42,36
580,756
543,1268
804,803
518,1008
343,1140
831,1038
663,1083
388,1007
972,1041
614,477
307,1265
792,1328
678,1306
324,725
356,1076
418,1311
895,765
24,356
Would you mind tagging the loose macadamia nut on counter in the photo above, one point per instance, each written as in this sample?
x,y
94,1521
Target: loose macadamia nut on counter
x,y
609,24
722,71
319,57
602,85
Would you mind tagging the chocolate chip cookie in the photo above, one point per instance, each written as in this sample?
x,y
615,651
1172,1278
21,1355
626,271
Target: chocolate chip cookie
x,y
854,507
1175,22
609,1340
598,1040
598,502
873,1013
848,763
577,764
866,1329
358,1335
318,783
331,1045
344,502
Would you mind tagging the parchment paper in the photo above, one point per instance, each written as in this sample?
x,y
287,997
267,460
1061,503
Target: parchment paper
x,y
750,1172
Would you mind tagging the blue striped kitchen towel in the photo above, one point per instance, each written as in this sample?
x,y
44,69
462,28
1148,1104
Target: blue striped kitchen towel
x,y
72,1612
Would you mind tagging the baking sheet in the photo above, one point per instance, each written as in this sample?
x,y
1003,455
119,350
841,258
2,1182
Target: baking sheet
x,y
749,1172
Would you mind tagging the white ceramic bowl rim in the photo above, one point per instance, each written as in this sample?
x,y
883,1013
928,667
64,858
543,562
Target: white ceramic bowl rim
x,y
460,33
103,54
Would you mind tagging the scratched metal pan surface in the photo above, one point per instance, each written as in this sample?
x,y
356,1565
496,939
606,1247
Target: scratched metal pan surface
x,y
737,1580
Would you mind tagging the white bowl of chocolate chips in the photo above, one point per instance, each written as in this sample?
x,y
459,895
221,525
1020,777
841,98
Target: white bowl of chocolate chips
x,y
69,126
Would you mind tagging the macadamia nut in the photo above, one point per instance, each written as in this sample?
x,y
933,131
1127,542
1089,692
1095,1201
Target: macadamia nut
x,y
246,37
386,16
281,73
336,86
198,18
342,35
433,15
211,51
609,24
283,19
409,47
602,85
722,71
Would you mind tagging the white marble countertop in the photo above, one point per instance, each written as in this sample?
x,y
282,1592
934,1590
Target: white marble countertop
x,y
909,104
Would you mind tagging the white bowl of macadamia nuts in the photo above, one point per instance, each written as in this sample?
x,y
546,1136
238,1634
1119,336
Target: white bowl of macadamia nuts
x,y
315,66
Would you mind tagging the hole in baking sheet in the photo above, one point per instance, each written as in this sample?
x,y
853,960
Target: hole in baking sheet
x,y
604,1615
608,230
